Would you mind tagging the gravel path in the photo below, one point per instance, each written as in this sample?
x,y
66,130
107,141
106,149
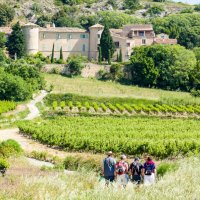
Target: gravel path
x,y
34,112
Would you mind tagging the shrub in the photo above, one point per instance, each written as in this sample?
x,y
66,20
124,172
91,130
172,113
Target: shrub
x,y
9,148
75,66
39,155
164,168
6,14
76,163
195,93
4,164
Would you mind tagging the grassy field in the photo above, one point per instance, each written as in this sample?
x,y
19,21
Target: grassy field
x,y
96,88
34,184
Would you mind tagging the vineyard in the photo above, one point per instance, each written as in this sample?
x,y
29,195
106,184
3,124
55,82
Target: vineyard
x,y
125,108
6,106
133,136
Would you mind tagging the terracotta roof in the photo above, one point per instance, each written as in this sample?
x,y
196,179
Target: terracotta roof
x,y
142,27
165,41
63,30
116,31
30,24
97,26
6,30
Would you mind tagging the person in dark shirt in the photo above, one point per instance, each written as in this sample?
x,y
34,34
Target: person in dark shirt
x,y
135,171
108,168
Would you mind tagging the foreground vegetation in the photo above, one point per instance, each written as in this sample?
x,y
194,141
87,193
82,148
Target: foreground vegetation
x,y
134,136
37,184
6,106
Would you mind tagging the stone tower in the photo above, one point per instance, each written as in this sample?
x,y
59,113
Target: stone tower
x,y
31,34
95,35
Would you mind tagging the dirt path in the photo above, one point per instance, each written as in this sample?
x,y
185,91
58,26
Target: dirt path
x,y
34,112
30,145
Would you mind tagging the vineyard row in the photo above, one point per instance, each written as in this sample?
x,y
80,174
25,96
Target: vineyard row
x,y
130,108
6,106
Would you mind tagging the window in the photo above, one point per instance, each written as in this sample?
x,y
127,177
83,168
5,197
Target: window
x,y
141,33
83,36
143,41
117,44
128,44
83,48
69,36
43,36
99,36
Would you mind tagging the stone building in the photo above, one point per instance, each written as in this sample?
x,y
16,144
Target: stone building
x,y
76,41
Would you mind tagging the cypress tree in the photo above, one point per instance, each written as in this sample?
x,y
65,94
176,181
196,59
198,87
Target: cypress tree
x,y
106,44
117,57
61,54
52,54
16,42
120,56
109,57
100,55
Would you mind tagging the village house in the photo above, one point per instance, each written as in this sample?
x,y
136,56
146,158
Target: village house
x,y
76,41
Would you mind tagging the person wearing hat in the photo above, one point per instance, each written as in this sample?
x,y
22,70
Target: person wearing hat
x,y
108,168
121,170
135,171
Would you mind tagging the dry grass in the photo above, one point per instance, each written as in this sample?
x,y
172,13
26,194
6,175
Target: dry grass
x,y
93,87
182,184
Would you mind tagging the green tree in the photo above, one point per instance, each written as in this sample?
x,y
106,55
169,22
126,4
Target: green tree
x,y
197,8
120,56
75,66
52,54
107,44
100,55
132,4
16,41
2,40
196,51
162,66
7,14
14,87
109,57
61,54
184,27
2,56
115,71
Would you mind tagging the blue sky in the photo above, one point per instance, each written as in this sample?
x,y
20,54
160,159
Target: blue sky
x,y
189,1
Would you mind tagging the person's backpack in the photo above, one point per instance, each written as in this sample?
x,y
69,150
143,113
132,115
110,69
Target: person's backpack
x,y
136,169
148,170
120,168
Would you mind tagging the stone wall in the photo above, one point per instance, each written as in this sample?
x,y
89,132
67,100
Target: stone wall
x,y
90,69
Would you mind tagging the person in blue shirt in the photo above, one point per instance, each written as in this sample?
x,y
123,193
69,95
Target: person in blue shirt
x,y
108,168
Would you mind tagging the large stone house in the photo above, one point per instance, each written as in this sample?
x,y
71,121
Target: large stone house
x,y
76,41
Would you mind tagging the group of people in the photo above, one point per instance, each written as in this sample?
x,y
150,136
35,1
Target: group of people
x,y
122,172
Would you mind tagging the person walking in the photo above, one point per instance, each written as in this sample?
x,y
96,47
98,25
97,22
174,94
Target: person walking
x,y
121,170
149,171
135,171
108,168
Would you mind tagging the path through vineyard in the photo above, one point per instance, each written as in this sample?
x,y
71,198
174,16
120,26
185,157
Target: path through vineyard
x,y
30,145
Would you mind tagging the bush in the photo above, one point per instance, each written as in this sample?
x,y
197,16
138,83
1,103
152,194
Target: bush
x,y
9,148
4,164
195,93
14,88
76,163
164,168
6,14
75,66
